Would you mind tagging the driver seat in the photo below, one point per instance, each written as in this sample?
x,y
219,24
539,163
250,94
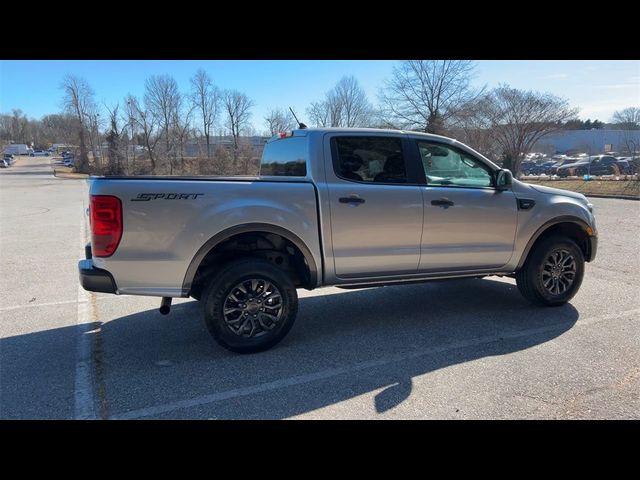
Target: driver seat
x,y
393,171
349,165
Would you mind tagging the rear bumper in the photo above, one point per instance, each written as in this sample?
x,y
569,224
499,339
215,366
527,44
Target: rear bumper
x,y
95,279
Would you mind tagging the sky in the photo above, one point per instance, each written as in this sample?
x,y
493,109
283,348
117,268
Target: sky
x,y
596,87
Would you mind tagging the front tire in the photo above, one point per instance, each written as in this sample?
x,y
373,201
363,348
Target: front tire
x,y
250,305
553,272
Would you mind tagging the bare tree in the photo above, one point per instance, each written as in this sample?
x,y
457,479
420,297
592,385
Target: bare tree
x,y
319,114
129,116
58,128
5,128
114,140
144,120
16,127
79,101
520,118
163,100
345,105
427,94
205,97
629,121
629,118
631,140
19,126
355,109
94,123
473,128
279,120
182,128
238,109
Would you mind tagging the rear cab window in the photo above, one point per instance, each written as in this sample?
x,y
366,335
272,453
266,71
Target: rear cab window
x,y
376,159
285,157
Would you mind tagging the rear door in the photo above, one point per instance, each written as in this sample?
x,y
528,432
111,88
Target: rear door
x,y
376,205
468,224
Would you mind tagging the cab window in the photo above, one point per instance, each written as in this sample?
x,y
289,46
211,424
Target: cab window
x,y
369,159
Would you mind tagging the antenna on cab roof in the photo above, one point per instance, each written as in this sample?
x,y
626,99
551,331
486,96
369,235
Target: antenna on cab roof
x,y
301,125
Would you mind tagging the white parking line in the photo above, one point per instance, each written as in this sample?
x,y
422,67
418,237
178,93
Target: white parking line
x,y
99,298
334,372
84,407
33,305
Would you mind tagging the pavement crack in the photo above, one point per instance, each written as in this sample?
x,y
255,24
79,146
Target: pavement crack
x,y
535,397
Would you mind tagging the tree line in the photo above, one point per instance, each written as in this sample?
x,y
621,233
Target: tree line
x,y
167,131
150,134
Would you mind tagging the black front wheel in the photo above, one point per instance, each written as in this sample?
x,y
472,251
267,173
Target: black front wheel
x,y
250,305
553,272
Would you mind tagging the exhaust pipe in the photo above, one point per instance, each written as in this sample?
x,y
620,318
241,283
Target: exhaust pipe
x,y
165,305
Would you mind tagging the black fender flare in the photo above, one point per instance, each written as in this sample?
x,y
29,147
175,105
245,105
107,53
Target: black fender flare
x,y
247,228
545,226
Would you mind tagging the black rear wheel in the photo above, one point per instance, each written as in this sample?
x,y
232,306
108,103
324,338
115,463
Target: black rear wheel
x,y
250,305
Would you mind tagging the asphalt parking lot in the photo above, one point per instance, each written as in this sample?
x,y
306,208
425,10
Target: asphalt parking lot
x,y
454,350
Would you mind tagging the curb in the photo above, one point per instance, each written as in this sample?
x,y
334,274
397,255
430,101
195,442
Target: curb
x,y
619,197
595,195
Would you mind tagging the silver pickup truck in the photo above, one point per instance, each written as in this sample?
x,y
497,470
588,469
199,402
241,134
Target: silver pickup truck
x,y
344,207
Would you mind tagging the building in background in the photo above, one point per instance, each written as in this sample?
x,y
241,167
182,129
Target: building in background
x,y
591,142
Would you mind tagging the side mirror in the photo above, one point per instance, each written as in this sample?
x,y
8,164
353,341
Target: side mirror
x,y
504,179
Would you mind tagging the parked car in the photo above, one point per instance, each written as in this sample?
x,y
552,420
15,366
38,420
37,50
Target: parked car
x,y
526,167
545,168
39,153
601,165
9,159
569,167
68,161
3,163
634,164
538,168
344,207
625,167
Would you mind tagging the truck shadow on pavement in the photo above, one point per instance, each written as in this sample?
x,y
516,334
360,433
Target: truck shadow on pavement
x,y
343,345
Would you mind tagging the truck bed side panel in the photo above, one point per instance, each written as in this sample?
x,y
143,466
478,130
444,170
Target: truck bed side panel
x,y
162,235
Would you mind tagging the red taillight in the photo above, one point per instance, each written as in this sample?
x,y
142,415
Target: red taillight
x,y
106,224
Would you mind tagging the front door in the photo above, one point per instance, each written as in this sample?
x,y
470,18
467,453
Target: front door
x,y
468,224
376,206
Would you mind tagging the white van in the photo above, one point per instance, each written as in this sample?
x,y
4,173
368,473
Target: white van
x,y
17,149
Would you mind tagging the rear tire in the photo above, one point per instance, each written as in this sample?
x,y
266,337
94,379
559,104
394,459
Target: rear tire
x,y
553,272
249,306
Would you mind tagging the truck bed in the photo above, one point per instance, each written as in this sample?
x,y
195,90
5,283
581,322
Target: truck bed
x,y
167,220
